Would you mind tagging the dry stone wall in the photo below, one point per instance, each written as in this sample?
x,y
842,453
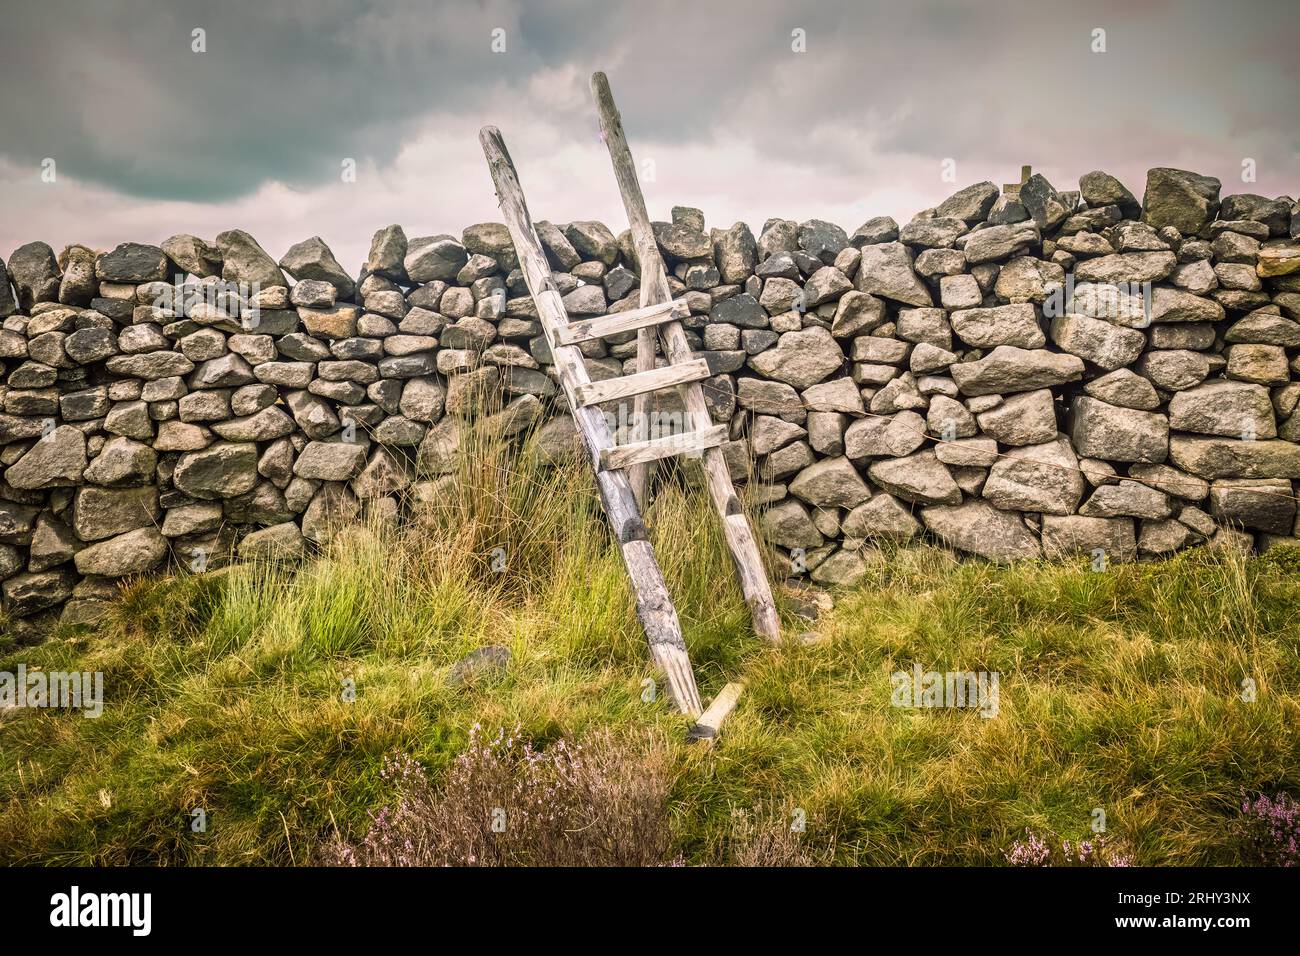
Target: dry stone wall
x,y
1017,375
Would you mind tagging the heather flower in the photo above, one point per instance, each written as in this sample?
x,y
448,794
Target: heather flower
x,y
1271,828
1034,850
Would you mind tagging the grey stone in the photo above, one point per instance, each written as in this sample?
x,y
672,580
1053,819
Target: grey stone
x,y
384,473
1227,458
181,436
1174,305
1175,197
877,230
78,285
1261,504
886,271
1233,409
285,374
831,482
35,274
1100,189
1044,204
788,525
312,260
99,513
980,529
931,232
1164,537
972,203
132,262
920,478
975,453
26,594
1261,364
801,359
960,292
1015,325
1112,433
131,553
681,240
58,458
1065,535
122,461
330,461
1127,499
883,517
332,508
221,470
839,569
1264,328
435,258
822,240
593,240
996,243
278,542
1100,342
925,325
1028,418
892,436
194,256
1041,478
243,260
736,253
265,425
53,543
150,365
388,248
825,285
1173,370
1125,388
1009,369
193,518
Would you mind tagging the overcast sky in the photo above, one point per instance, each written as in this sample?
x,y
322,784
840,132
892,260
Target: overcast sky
x,y
150,138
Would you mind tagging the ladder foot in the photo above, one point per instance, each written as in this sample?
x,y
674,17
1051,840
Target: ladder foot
x,y
676,665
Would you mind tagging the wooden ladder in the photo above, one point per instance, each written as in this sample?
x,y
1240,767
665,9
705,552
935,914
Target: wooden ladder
x,y
615,464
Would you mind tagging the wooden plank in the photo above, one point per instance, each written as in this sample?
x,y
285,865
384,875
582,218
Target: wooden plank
x,y
710,722
654,288
585,330
611,389
654,608
621,456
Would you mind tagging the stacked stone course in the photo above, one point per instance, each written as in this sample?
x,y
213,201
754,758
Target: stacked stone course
x,y
1017,375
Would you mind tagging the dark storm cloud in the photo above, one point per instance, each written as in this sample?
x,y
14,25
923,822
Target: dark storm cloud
x,y
285,91
289,88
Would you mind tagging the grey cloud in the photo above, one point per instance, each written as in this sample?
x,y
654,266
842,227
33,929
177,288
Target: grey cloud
x,y
289,88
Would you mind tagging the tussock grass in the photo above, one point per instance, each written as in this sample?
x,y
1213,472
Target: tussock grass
x,y
1120,690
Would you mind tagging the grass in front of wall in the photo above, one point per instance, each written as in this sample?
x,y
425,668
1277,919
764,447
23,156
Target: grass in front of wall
x,y
1120,690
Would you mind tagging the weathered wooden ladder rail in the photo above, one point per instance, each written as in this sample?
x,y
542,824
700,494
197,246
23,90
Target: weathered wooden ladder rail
x,y
620,470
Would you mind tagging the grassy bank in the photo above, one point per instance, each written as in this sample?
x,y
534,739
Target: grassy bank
x,y
1120,690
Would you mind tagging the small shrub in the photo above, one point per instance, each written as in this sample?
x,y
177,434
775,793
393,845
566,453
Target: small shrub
x,y
1271,828
600,802
764,837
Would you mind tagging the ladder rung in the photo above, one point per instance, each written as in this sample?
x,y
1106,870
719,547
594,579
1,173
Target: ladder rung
x,y
607,325
596,393
635,453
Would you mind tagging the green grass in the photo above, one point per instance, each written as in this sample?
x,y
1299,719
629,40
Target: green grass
x,y
1119,690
